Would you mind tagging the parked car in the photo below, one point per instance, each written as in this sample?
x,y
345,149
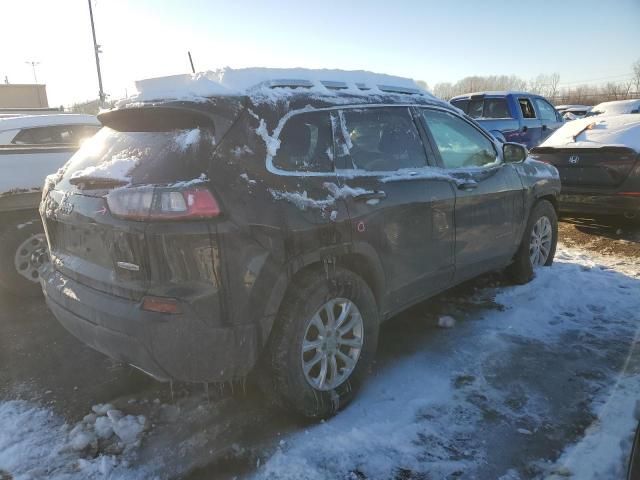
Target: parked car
x,y
31,147
618,107
599,164
272,230
511,116
575,112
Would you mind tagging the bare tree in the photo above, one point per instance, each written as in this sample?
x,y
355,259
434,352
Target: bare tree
x,y
636,76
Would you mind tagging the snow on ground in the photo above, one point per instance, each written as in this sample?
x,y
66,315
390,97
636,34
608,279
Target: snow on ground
x,y
414,417
36,443
499,395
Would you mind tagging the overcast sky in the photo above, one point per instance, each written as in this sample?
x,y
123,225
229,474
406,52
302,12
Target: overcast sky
x,y
588,41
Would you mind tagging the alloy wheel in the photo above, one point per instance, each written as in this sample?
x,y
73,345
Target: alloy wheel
x,y
332,344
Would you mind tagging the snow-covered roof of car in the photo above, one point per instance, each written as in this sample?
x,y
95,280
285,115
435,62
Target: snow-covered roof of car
x,y
617,107
264,84
594,132
577,108
27,121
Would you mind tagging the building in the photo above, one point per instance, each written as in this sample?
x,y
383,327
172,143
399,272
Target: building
x,y
23,95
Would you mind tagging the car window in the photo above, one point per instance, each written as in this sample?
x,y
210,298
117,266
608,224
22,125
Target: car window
x,y
306,144
527,108
382,139
495,108
475,108
461,104
546,111
55,134
460,144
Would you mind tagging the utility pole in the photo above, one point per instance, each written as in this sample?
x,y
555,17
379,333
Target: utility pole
x,y
97,51
33,66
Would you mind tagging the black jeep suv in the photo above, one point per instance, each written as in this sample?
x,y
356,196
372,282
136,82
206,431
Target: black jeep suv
x,y
276,229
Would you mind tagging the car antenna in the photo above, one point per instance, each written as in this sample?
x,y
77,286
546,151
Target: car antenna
x,y
193,70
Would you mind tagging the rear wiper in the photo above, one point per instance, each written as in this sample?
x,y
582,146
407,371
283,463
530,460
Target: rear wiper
x,y
89,181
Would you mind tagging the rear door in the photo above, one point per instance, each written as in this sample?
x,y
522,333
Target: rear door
x,y
399,208
549,117
531,127
489,198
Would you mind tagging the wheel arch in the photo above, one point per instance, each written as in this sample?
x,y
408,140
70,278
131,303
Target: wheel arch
x,y
360,259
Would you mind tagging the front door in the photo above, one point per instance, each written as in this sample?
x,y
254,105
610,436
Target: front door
x,y
531,128
396,205
548,116
489,196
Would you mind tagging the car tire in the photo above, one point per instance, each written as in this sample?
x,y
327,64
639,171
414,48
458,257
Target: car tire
x,y
18,271
311,296
543,216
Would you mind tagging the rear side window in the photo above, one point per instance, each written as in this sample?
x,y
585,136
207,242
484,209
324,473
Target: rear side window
x,y
459,143
306,144
495,108
382,139
546,111
55,135
461,104
527,108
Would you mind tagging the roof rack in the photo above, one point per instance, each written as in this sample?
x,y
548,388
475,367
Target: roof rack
x,y
338,85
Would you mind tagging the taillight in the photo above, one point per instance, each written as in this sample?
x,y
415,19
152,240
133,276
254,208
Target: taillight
x,y
629,194
162,203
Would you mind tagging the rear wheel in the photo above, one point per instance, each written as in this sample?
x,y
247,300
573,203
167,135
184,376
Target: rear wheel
x,y
323,343
538,245
21,248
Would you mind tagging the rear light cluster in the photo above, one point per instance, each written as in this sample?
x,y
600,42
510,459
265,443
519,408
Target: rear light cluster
x,y
162,203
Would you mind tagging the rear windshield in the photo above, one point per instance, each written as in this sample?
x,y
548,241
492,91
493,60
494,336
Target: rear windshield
x,y
142,157
484,107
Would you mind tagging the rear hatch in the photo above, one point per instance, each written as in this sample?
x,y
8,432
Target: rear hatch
x,y
142,168
605,167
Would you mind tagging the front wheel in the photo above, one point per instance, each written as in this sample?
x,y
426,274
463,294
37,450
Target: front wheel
x,y
323,343
538,245
21,248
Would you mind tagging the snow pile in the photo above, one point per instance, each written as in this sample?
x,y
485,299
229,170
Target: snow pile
x,y
195,87
35,443
594,132
117,168
103,424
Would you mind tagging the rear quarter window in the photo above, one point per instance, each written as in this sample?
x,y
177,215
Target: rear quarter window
x,y
306,144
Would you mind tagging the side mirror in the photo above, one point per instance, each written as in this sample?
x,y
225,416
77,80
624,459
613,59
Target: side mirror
x,y
513,153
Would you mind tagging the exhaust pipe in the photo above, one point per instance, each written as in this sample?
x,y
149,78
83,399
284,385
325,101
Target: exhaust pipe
x,y
630,215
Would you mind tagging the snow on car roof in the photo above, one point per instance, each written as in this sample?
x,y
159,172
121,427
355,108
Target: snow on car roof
x,y
25,121
594,132
617,107
268,83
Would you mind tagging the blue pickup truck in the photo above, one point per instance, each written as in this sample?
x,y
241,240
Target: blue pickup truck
x,y
511,116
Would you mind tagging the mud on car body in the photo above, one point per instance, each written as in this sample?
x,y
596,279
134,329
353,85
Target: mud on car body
x,y
276,229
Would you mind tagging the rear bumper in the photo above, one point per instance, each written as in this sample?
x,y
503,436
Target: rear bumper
x,y
599,204
167,347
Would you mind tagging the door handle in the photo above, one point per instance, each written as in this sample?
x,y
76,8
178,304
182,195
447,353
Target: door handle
x,y
466,186
544,127
524,128
379,195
